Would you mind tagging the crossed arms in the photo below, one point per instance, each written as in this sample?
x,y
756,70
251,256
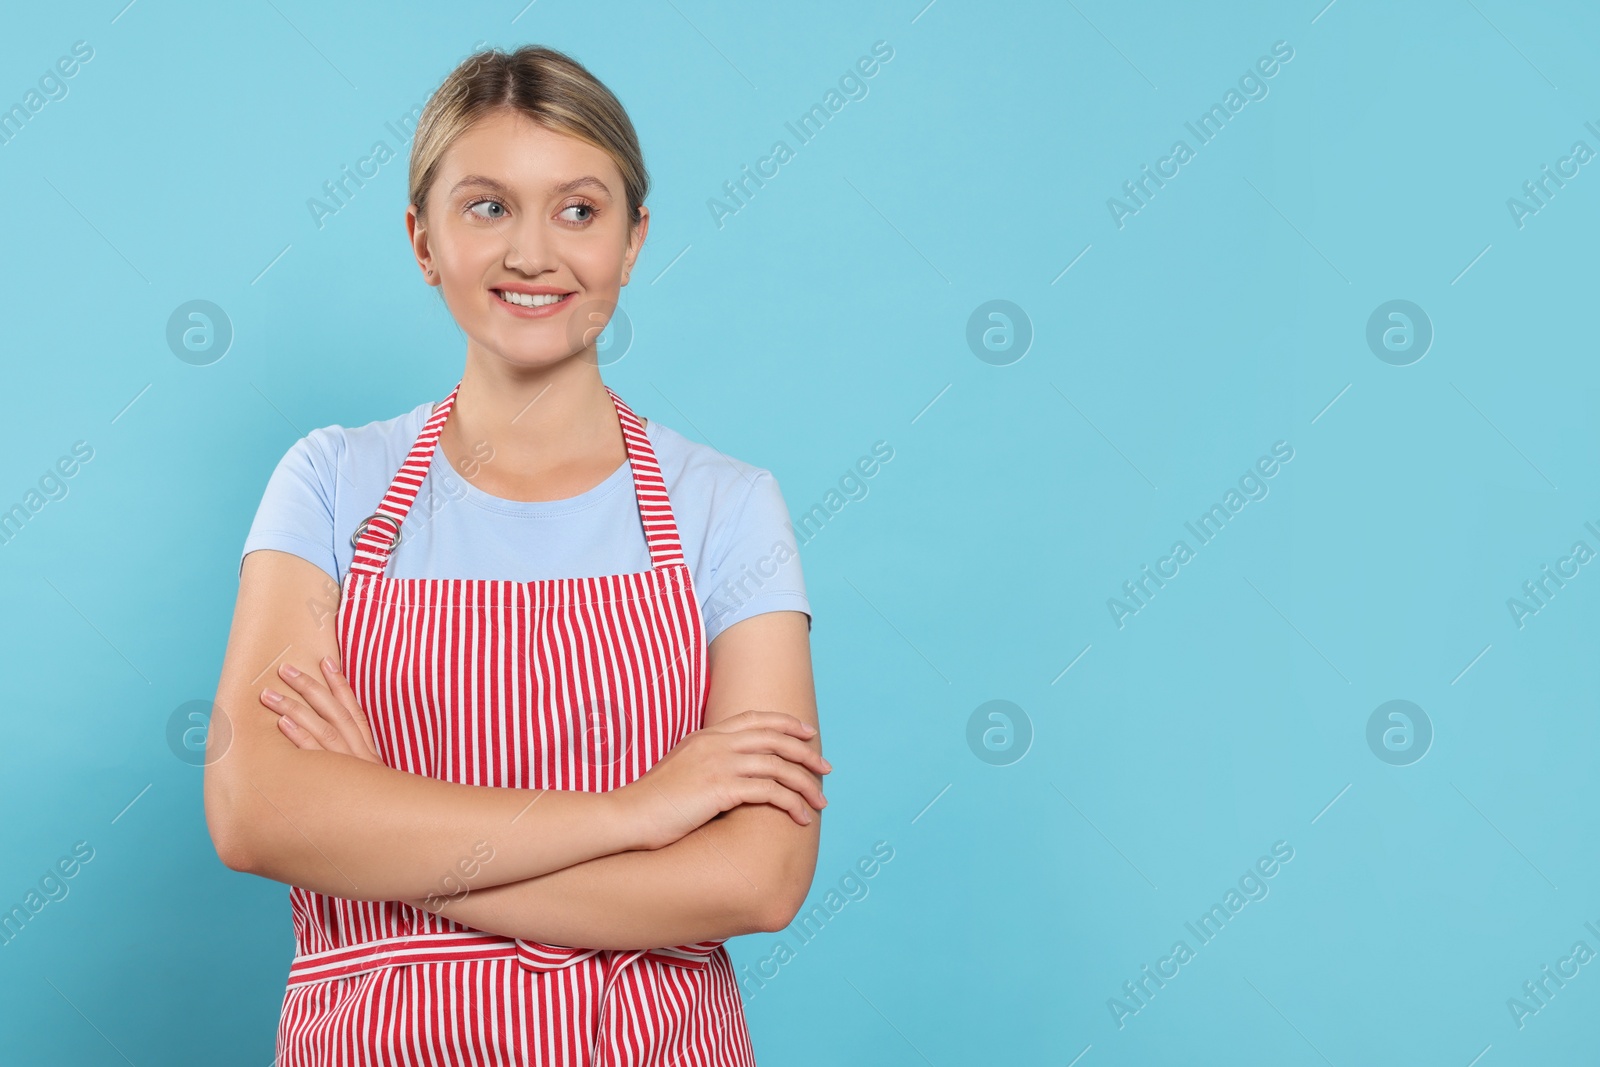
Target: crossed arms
x,y
565,867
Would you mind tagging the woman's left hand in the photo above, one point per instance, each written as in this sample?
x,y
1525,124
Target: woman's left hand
x,y
325,715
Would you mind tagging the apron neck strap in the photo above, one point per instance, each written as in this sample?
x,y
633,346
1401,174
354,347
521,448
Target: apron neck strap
x,y
377,535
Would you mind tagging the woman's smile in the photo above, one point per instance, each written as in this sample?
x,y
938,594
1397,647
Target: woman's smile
x,y
532,305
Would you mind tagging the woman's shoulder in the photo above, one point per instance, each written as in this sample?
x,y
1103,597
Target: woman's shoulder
x,y
725,497
737,531
377,443
700,467
315,493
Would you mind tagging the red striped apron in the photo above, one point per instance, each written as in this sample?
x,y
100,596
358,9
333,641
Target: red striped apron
x,y
565,683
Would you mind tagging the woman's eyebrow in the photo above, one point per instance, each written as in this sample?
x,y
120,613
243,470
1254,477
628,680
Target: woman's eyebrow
x,y
587,181
558,189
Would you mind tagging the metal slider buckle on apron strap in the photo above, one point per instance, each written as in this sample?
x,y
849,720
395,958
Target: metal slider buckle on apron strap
x,y
364,523
394,542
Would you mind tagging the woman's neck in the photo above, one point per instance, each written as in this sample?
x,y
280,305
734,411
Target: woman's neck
x,y
549,434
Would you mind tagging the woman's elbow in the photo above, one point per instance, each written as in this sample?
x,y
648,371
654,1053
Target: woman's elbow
x,y
231,847
233,853
229,822
790,884
777,913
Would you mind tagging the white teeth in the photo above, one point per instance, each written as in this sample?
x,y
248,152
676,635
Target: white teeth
x,y
524,300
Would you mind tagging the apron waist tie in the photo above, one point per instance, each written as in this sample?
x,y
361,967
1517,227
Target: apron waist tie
x,y
447,946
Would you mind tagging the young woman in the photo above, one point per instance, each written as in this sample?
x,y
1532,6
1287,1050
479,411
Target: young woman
x,y
518,695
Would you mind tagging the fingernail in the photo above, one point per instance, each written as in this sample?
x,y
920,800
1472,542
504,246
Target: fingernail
x,y
809,728
273,695
327,661
289,671
807,815
827,766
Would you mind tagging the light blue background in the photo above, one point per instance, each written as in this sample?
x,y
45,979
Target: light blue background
x,y
829,313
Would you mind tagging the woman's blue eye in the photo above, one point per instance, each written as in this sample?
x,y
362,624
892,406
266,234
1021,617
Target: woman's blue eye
x,y
473,207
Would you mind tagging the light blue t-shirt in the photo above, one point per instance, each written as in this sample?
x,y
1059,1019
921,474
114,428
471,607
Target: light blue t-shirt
x,y
732,520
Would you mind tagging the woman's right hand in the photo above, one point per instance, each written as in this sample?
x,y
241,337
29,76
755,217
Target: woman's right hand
x,y
755,757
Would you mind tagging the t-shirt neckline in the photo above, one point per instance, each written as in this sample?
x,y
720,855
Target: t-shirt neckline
x,y
454,486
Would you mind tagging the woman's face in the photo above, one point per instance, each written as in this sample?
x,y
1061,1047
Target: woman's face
x,y
516,206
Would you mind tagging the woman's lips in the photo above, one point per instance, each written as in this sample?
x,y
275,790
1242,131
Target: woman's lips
x,y
544,311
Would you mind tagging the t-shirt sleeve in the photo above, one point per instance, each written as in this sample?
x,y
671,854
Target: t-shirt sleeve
x,y
755,564
296,510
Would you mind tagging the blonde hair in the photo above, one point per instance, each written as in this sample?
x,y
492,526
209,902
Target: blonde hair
x,y
547,86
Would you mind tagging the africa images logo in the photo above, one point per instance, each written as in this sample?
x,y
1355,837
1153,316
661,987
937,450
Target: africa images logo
x,y
1252,485
1205,128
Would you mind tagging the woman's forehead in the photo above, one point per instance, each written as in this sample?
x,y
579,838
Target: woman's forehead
x,y
520,155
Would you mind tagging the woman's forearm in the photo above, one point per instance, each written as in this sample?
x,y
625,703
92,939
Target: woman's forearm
x,y
360,830
702,887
